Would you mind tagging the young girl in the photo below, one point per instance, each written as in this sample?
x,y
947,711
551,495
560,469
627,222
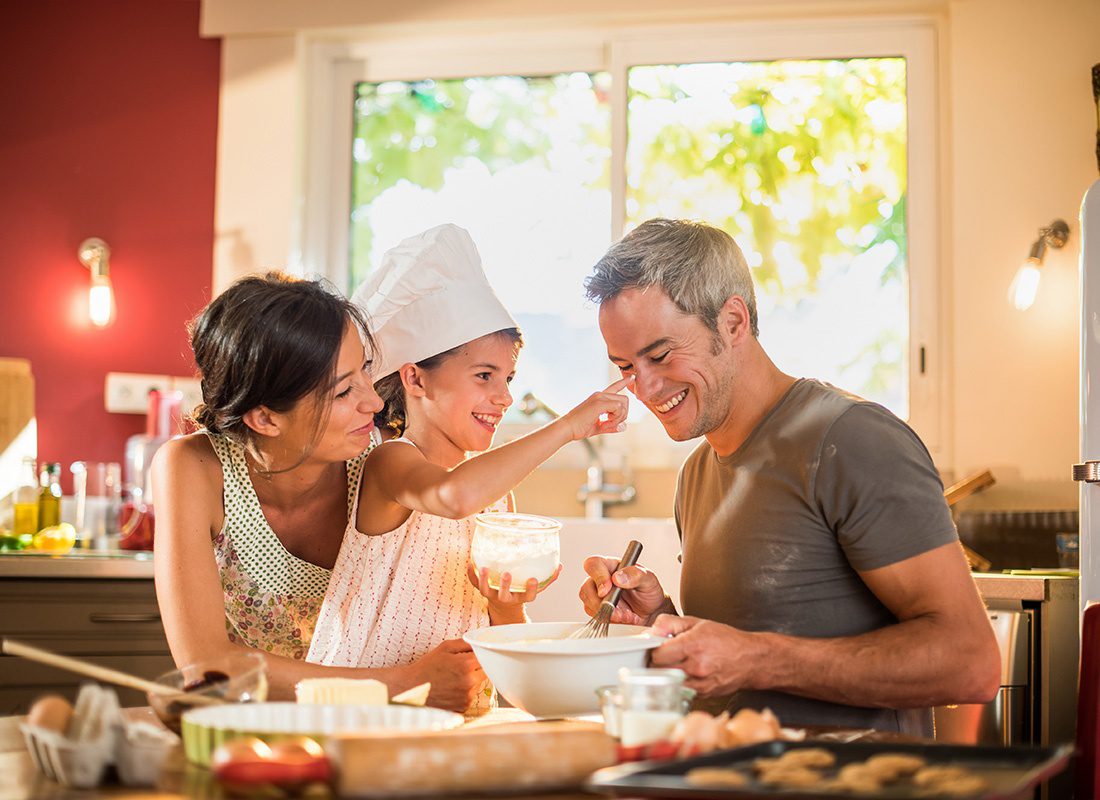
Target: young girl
x,y
447,354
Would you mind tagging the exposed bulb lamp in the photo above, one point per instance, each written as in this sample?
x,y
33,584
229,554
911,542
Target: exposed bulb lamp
x,y
95,255
1024,287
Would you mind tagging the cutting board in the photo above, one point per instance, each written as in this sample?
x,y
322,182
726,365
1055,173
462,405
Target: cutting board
x,y
518,757
16,420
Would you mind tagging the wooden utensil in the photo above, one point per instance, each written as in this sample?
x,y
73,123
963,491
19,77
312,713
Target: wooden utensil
x,y
963,489
80,667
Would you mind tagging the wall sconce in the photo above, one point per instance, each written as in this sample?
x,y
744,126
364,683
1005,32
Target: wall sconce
x,y
1021,292
95,255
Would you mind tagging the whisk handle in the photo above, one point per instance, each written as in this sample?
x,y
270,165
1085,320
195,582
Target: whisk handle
x,y
629,559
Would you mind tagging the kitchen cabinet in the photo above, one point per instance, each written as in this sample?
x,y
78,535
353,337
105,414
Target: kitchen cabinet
x,y
97,608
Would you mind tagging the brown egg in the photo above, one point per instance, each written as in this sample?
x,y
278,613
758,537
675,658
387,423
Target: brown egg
x,y
51,712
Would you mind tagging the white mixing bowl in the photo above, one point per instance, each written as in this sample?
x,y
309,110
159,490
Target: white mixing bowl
x,y
535,668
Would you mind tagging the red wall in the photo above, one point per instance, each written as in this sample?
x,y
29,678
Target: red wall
x,y
109,129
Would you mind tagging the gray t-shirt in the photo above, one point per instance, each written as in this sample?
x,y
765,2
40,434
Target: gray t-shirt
x,y
772,535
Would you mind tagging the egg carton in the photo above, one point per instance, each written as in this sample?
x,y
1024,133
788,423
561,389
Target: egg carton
x,y
99,737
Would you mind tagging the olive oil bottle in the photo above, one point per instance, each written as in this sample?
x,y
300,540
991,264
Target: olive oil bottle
x,y
49,498
26,502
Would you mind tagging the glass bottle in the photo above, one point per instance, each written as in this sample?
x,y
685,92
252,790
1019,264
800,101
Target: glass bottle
x,y
49,498
26,502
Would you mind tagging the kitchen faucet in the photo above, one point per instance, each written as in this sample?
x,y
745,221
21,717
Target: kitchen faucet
x,y
595,494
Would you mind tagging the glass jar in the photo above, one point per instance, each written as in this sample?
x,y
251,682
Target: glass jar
x,y
651,704
523,545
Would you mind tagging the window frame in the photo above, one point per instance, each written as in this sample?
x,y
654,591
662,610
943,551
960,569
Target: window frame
x,y
334,67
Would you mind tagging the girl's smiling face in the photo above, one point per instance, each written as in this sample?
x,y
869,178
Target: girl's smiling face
x,y
466,396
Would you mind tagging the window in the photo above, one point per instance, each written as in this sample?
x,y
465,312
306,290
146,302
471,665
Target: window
x,y
522,163
811,147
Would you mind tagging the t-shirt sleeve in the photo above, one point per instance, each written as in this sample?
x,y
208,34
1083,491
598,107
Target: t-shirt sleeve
x,y
879,490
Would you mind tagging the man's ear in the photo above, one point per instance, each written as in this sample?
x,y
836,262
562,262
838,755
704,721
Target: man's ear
x,y
263,421
412,379
734,324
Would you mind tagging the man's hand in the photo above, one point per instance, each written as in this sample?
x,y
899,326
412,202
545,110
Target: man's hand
x,y
454,673
642,596
718,659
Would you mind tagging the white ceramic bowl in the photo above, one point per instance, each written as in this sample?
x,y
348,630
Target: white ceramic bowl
x,y
535,668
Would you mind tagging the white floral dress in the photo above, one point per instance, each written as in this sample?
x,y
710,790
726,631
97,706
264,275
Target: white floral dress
x,y
395,596
272,597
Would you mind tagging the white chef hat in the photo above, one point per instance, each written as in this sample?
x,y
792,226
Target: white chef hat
x,y
429,294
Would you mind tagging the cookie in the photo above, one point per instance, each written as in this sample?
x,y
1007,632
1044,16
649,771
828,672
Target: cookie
x,y
764,764
791,777
715,776
812,757
859,778
891,766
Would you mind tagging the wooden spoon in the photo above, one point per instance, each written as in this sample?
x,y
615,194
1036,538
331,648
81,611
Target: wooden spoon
x,y
14,648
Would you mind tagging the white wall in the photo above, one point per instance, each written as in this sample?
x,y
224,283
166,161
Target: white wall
x,y
1021,140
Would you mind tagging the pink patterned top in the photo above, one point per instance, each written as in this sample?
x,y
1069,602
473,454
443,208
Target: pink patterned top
x,y
395,596
271,596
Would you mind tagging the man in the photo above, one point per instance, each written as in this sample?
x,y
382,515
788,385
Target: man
x,y
820,566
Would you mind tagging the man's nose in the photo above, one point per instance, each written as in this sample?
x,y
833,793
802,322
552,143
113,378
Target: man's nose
x,y
646,385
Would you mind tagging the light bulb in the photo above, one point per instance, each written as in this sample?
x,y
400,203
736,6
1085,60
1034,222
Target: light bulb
x,y
101,302
1024,287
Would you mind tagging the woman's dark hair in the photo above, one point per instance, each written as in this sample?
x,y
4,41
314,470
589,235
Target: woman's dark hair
x,y
271,341
393,414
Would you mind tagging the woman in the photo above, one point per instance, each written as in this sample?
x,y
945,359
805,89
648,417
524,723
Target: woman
x,y
251,510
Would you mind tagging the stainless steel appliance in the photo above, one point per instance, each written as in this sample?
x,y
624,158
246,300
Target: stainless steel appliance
x,y
1005,720
1035,618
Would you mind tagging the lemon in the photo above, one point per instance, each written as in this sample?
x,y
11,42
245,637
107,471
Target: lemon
x,y
56,538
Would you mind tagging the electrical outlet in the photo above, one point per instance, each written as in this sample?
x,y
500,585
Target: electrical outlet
x,y
128,393
192,392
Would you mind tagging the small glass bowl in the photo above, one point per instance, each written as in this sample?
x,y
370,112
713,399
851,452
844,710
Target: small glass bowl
x,y
611,706
234,678
522,545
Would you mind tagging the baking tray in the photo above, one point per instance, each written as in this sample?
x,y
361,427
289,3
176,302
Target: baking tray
x,y
1011,772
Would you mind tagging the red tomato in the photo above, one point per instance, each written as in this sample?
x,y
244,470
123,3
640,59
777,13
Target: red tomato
x,y
249,762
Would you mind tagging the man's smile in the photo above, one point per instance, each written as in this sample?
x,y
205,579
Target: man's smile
x,y
671,403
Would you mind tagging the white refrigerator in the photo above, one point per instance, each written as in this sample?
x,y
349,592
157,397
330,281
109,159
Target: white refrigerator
x,y
1087,472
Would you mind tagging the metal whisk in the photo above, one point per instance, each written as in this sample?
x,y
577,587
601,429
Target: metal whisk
x,y
596,628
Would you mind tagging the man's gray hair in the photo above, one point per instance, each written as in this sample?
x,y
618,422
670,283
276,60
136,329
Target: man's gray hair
x,y
697,265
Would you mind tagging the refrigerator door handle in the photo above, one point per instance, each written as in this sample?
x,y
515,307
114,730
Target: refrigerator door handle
x,y
1089,472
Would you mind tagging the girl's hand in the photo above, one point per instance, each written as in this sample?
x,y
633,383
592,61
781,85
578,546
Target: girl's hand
x,y
503,602
602,412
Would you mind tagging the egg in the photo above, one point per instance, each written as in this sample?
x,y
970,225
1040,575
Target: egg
x,y
51,712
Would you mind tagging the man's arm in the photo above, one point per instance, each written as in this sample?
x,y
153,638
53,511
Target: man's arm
x,y
942,650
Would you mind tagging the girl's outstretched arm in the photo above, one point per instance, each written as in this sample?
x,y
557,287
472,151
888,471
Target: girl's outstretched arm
x,y
402,477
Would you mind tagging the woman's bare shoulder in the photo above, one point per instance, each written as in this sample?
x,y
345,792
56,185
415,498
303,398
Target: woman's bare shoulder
x,y
190,457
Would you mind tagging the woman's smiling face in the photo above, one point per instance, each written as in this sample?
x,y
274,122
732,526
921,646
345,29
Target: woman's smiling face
x,y
466,396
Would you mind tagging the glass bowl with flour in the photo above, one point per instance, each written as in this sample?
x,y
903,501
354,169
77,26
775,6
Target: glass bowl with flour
x,y
523,545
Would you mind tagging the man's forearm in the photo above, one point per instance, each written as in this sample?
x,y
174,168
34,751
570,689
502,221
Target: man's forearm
x,y
912,664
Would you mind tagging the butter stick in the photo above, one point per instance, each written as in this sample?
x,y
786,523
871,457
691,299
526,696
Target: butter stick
x,y
543,755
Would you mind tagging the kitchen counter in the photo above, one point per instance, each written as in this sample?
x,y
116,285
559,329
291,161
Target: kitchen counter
x,y
1034,586
20,781
114,564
